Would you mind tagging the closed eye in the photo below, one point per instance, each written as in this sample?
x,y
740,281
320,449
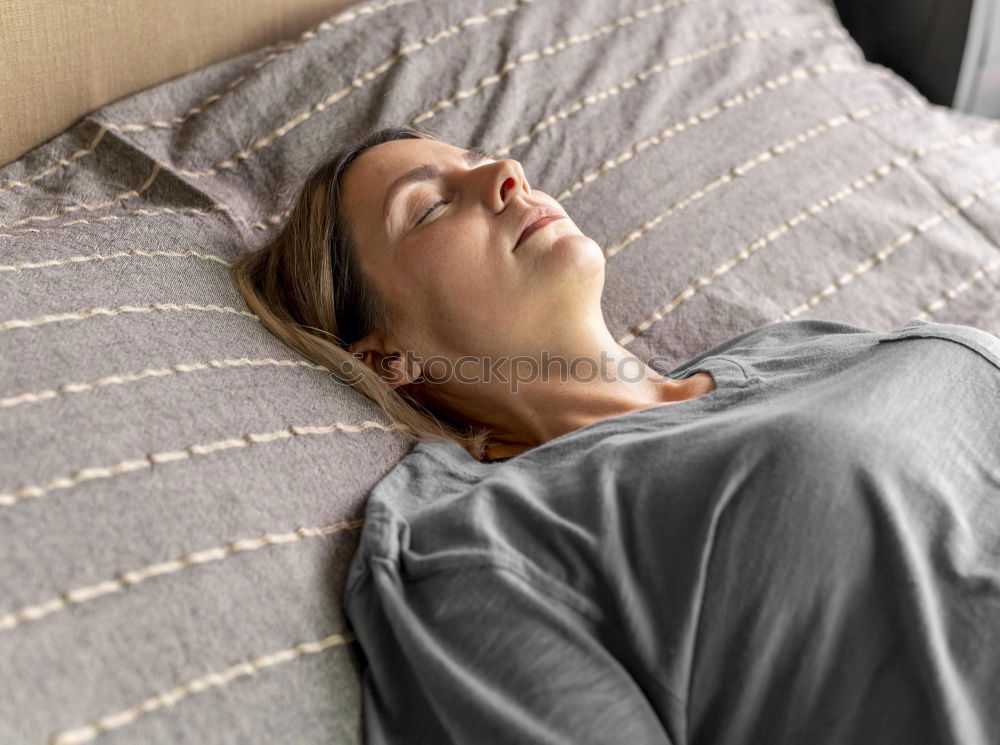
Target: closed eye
x,y
431,209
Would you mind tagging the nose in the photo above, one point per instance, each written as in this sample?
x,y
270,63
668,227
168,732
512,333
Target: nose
x,y
506,185
512,177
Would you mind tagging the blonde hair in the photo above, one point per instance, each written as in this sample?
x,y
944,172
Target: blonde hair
x,y
307,288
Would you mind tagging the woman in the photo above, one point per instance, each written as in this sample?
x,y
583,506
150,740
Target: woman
x,y
792,537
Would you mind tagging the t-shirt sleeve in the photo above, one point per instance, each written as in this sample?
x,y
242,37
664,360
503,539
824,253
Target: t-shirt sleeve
x,y
482,655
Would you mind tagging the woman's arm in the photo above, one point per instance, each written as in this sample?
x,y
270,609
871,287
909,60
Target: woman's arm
x,y
481,655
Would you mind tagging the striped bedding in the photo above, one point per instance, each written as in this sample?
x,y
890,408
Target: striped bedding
x,y
180,493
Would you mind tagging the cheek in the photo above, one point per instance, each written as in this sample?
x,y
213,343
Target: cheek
x,y
456,294
460,280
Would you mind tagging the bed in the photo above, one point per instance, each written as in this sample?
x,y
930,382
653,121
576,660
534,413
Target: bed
x,y
180,493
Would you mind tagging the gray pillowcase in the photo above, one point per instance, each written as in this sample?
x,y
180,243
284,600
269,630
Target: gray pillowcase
x,y
180,493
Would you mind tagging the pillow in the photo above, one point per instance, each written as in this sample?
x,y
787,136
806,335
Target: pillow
x,y
180,493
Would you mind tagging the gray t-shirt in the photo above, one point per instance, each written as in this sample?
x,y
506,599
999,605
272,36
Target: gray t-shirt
x,y
810,553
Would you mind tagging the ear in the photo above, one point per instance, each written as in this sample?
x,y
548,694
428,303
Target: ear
x,y
388,363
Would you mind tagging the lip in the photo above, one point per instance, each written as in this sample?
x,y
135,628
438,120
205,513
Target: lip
x,y
533,216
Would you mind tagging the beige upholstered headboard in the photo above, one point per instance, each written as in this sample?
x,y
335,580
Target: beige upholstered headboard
x,y
59,60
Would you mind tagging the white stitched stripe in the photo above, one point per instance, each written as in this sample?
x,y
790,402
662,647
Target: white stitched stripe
x,y
879,256
171,697
958,289
797,73
57,317
171,566
266,224
124,216
107,257
762,157
89,207
61,163
838,195
127,466
536,55
180,367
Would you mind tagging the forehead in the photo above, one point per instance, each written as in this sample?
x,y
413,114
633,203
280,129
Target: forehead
x,y
366,180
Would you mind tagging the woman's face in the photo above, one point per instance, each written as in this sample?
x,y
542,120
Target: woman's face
x,y
442,252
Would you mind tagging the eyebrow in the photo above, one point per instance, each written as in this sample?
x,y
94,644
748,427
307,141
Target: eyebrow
x,y
426,172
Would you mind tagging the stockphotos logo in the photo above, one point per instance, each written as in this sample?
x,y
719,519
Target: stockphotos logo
x,y
512,371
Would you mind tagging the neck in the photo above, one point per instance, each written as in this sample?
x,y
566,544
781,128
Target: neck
x,y
544,392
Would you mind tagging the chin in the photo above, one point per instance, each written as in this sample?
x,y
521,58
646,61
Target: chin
x,y
573,260
578,248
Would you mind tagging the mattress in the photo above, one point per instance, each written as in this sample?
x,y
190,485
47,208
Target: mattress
x,y
181,493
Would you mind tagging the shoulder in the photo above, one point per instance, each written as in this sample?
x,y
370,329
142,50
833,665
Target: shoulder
x,y
983,343
802,330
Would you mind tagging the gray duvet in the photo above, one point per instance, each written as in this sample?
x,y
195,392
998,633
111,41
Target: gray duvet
x,y
808,554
